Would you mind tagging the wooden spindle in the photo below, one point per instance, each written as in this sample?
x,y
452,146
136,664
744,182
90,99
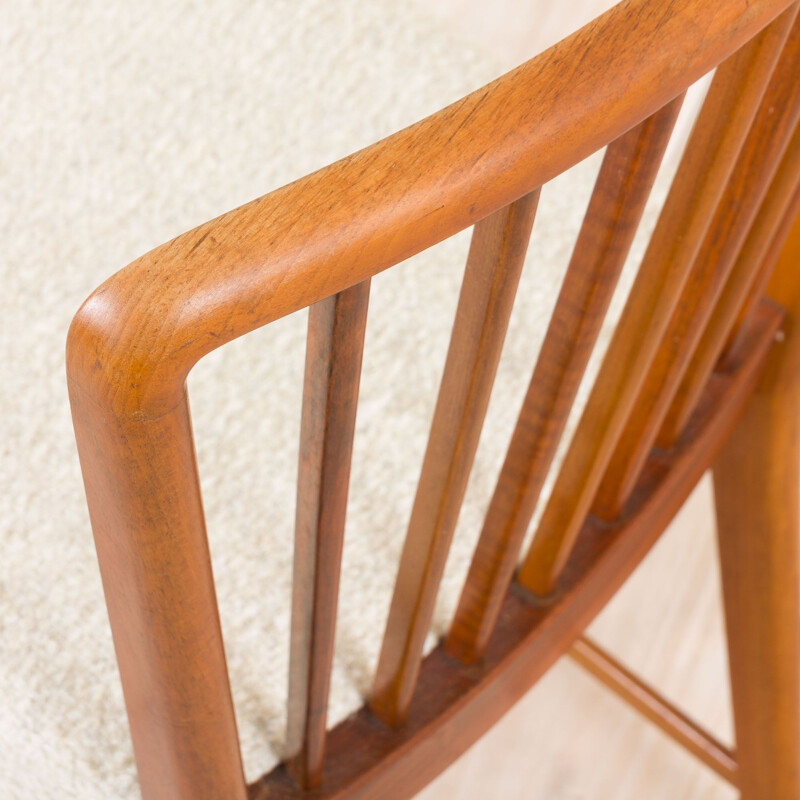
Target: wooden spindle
x,y
492,273
652,706
454,704
333,368
716,139
730,357
760,156
754,260
615,209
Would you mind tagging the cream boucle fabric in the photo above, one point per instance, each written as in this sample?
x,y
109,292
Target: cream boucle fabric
x,y
125,124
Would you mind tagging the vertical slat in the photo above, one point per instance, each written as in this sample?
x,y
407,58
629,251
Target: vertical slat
x,y
756,480
761,153
333,368
147,516
753,260
492,273
730,356
715,142
615,209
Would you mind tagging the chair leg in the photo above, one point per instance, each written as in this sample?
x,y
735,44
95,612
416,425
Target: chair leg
x,y
756,484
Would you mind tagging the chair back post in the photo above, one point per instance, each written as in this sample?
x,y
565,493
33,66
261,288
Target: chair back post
x,y
317,243
144,500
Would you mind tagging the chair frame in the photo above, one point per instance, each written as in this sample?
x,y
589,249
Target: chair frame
x,y
477,162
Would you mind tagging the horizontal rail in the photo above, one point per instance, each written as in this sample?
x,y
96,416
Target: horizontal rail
x,y
135,339
455,704
655,708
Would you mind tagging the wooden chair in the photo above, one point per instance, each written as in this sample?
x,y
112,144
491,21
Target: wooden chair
x,y
702,372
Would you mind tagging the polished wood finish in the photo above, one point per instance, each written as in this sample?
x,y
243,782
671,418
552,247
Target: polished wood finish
x,y
710,155
454,703
754,260
620,193
334,348
273,256
756,482
737,208
651,705
144,502
494,265
316,243
764,273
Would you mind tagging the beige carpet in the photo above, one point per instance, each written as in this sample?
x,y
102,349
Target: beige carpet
x,y
123,125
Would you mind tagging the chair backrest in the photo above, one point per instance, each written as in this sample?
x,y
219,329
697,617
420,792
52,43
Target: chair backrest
x,y
682,359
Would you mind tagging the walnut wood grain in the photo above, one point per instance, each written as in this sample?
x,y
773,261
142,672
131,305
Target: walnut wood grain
x,y
494,264
455,703
135,339
746,188
144,502
334,349
710,155
615,208
133,342
756,480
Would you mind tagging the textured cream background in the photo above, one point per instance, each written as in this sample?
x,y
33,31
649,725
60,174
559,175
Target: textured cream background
x,y
123,125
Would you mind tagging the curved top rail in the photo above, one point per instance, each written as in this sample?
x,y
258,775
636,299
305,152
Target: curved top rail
x,y
135,339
